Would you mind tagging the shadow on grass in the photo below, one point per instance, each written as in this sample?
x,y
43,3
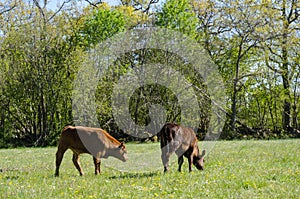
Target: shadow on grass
x,y
8,174
135,175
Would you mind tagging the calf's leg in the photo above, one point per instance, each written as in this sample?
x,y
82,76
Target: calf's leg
x,y
75,160
59,156
97,162
180,162
167,151
190,163
165,159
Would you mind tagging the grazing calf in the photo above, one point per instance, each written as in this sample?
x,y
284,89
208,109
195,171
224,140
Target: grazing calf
x,y
94,141
182,141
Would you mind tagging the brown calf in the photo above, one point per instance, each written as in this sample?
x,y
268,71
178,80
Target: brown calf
x,y
182,141
94,141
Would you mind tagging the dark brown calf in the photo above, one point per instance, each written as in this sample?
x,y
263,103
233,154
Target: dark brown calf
x,y
94,141
182,141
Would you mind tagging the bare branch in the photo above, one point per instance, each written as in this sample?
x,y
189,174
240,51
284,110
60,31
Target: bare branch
x,y
271,67
7,9
59,9
94,4
274,53
293,11
139,6
248,75
40,8
149,5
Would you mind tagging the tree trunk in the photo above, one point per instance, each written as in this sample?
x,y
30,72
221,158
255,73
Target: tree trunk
x,y
233,106
286,118
285,73
235,89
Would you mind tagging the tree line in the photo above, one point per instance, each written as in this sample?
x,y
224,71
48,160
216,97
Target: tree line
x,y
255,45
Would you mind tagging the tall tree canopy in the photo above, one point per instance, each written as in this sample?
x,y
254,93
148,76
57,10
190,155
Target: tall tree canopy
x,y
255,45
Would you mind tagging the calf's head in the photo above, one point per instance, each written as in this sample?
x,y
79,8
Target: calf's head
x,y
198,161
121,152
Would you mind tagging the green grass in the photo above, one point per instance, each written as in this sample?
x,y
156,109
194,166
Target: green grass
x,y
234,169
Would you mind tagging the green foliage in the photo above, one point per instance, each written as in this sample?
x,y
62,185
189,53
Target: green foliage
x,y
37,76
142,99
254,44
101,24
178,15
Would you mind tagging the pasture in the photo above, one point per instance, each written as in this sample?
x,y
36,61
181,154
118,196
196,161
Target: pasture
x,y
233,169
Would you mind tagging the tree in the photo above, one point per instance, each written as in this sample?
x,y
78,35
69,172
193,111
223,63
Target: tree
x,y
38,70
230,36
98,25
180,16
280,50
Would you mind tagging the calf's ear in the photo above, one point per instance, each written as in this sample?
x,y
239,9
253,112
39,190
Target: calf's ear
x,y
121,145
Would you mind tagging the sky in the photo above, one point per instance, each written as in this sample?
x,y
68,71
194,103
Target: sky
x,y
54,4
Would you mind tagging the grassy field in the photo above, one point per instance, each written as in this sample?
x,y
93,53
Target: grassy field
x,y
234,169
